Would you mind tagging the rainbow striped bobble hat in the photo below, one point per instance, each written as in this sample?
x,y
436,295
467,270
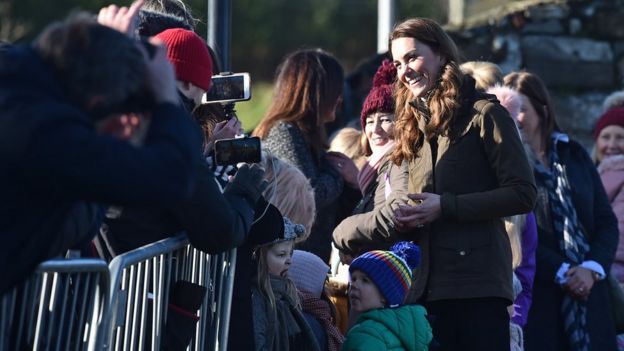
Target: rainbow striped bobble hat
x,y
391,271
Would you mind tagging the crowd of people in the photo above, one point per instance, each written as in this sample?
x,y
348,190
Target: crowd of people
x,y
463,216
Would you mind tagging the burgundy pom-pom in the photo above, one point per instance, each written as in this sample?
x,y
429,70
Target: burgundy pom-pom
x,y
386,74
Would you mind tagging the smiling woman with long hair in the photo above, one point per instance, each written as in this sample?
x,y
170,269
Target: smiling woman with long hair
x,y
467,170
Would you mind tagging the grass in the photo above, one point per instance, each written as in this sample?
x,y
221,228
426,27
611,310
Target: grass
x,y
251,112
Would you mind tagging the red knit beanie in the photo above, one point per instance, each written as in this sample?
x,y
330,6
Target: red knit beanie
x,y
614,116
189,55
380,97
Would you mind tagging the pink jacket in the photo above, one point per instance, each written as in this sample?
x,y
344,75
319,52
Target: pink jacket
x,y
611,171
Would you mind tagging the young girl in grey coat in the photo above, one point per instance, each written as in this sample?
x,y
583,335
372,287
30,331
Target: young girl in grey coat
x,y
277,318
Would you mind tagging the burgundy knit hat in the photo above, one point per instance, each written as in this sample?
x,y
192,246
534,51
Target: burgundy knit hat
x,y
380,97
614,116
189,55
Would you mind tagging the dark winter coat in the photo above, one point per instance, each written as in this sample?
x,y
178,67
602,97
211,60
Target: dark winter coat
x,y
481,176
214,222
263,231
283,327
53,157
544,329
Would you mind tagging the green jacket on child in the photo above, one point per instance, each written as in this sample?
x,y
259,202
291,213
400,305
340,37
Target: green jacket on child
x,y
402,328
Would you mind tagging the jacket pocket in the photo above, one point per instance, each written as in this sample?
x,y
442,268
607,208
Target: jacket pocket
x,y
463,251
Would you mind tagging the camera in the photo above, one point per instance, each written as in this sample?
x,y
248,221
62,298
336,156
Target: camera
x,y
228,87
237,150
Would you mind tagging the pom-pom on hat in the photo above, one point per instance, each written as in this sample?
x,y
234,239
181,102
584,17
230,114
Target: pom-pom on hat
x,y
309,272
615,99
380,97
189,55
614,116
292,230
391,271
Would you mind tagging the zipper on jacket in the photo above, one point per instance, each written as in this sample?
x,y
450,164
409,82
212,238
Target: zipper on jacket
x,y
433,145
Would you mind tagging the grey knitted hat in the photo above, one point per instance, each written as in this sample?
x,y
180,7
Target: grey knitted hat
x,y
308,271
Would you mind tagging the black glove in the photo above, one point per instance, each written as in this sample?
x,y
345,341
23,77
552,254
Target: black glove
x,y
248,182
185,300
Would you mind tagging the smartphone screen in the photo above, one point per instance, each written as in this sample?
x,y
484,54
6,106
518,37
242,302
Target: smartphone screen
x,y
233,151
233,87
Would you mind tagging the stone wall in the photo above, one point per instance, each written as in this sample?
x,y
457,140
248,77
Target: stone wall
x,y
576,47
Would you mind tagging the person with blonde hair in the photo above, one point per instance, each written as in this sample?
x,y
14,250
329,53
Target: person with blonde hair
x,y
290,191
486,74
467,170
350,142
278,321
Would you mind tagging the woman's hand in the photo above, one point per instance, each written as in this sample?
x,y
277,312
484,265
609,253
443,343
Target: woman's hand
x,y
426,210
580,282
345,166
224,130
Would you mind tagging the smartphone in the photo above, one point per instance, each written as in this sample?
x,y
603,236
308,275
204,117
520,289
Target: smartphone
x,y
229,88
237,150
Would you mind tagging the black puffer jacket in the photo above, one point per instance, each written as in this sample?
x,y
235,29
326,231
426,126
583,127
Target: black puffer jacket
x,y
214,222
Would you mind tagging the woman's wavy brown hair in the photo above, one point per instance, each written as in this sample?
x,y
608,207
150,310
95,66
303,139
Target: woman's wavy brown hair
x,y
308,84
443,100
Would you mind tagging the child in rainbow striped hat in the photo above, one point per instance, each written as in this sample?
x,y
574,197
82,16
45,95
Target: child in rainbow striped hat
x,y
379,282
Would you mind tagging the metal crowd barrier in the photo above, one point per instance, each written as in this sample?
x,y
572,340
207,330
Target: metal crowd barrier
x,y
139,295
58,308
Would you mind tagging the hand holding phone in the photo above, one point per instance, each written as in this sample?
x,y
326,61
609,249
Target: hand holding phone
x,y
224,130
227,129
229,88
237,150
249,181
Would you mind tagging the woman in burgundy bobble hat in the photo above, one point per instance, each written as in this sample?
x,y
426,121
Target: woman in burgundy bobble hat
x,y
609,156
380,181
